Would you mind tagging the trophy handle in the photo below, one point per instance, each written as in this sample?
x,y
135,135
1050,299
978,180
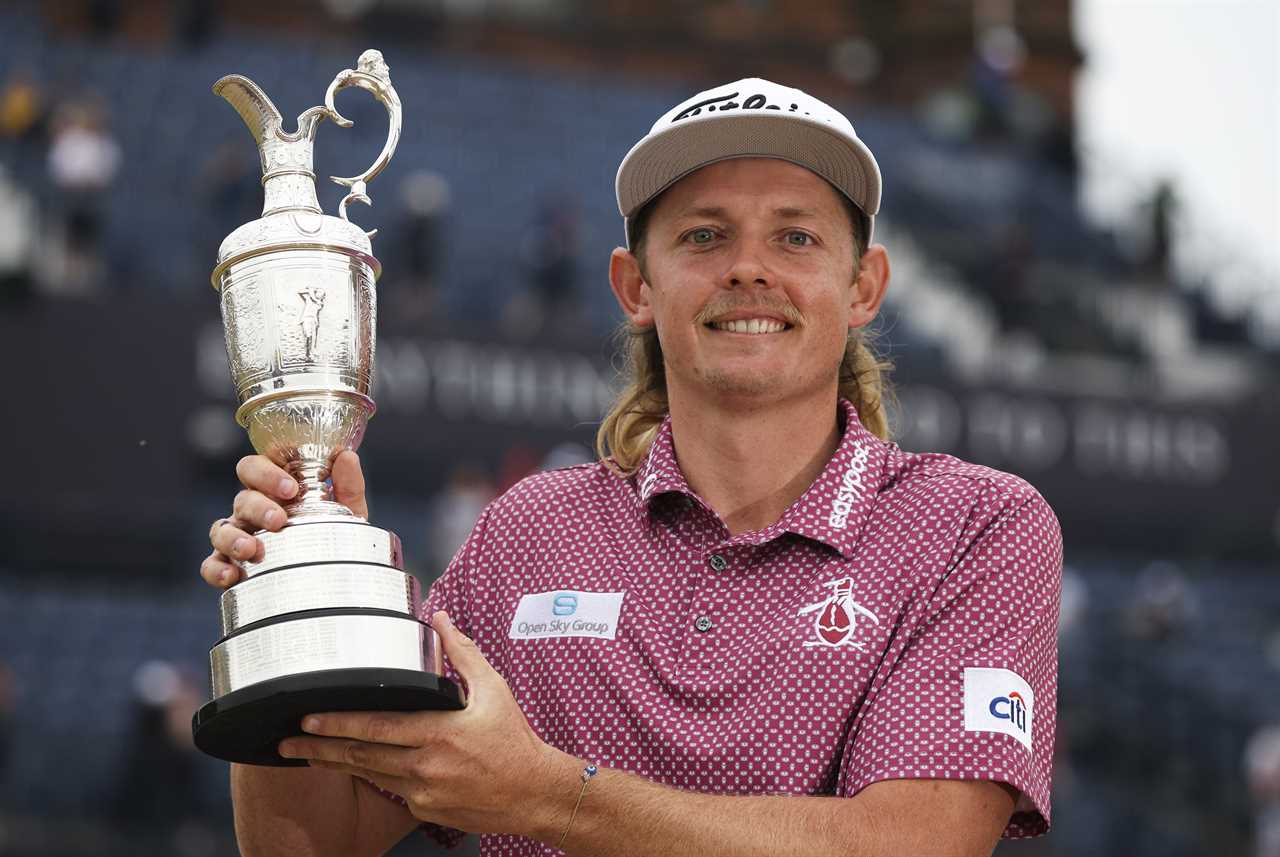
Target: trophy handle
x,y
372,74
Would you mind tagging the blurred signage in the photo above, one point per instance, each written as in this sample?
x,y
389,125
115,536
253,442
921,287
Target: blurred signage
x,y
133,401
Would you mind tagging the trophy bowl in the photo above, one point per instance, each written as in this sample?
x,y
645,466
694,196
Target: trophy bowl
x,y
327,620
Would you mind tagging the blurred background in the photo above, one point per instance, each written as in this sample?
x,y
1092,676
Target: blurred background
x,y
1080,205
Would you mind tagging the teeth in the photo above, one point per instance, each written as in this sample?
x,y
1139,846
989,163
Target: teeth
x,y
752,325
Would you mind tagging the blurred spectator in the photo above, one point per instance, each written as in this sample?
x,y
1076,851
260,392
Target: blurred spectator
x,y
19,220
1262,769
454,512
1165,605
551,254
83,161
195,21
231,182
22,108
8,704
156,797
1163,208
426,196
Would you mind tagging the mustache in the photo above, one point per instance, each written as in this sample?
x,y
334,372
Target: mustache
x,y
766,304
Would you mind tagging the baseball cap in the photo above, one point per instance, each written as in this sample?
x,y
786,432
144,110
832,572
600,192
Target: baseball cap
x,y
749,118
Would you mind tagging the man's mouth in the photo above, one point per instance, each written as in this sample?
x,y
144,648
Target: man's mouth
x,y
750,325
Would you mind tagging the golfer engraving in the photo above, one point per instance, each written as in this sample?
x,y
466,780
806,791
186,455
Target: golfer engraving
x,y
309,318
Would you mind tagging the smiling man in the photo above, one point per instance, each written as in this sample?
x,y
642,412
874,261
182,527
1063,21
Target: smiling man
x,y
755,626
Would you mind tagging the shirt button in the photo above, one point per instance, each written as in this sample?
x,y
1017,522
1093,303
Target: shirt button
x,y
718,562
703,624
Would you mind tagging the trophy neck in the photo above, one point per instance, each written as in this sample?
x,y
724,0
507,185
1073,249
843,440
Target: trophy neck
x,y
315,498
290,189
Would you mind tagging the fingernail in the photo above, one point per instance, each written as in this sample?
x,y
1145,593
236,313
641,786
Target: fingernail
x,y
288,487
227,576
288,749
310,724
275,518
242,546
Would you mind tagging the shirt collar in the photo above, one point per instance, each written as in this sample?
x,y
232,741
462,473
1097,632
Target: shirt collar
x,y
832,510
660,473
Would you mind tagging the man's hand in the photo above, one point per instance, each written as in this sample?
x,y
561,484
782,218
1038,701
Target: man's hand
x,y
258,507
481,769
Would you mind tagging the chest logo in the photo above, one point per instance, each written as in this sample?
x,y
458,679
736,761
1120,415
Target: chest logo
x,y
836,618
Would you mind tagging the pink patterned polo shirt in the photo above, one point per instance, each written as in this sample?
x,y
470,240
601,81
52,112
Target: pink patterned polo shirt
x,y
899,621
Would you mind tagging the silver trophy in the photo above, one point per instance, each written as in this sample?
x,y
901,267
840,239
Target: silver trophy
x,y
328,620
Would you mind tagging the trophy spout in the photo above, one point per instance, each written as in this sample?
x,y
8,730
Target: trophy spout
x,y
288,179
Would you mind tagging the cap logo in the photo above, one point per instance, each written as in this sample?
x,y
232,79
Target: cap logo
x,y
758,101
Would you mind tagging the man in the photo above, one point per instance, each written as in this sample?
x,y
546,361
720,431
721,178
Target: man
x,y
756,597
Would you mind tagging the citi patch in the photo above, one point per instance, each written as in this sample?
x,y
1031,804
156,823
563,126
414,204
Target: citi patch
x,y
998,700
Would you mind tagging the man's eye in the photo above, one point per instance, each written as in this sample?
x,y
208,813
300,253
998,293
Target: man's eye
x,y
799,239
702,236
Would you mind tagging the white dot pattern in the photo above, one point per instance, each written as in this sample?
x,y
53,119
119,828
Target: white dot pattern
x,y
959,564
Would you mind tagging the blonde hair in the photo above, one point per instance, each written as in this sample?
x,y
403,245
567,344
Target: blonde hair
x,y
636,414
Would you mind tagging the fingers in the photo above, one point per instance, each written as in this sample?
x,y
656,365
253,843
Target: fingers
x,y
466,657
259,473
348,483
218,571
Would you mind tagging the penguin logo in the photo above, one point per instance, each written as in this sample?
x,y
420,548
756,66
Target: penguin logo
x,y
836,617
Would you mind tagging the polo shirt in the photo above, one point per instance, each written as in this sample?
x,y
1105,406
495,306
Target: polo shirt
x,y
898,621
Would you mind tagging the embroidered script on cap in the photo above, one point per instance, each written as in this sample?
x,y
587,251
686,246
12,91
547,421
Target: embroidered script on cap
x,y
755,101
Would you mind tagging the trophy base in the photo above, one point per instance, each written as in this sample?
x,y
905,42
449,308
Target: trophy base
x,y
247,725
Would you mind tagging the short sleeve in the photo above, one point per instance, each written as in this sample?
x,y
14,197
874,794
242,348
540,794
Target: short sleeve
x,y
451,592
968,688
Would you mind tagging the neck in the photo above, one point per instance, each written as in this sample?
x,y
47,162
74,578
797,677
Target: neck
x,y
751,461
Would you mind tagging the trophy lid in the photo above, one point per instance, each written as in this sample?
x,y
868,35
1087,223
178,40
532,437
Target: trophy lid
x,y
291,215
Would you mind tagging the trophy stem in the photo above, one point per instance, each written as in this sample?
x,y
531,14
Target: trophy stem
x,y
315,492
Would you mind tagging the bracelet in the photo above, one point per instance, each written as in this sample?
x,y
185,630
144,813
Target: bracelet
x,y
587,773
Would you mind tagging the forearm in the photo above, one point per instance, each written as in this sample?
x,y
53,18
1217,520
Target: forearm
x,y
624,815
293,812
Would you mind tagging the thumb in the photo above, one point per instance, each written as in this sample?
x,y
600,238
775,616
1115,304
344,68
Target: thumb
x,y
463,653
348,483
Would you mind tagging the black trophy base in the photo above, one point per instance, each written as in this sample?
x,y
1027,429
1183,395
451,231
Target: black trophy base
x,y
247,725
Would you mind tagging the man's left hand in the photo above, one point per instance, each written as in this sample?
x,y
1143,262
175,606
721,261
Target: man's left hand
x,y
471,769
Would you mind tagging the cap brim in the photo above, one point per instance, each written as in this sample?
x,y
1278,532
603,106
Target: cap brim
x,y
662,159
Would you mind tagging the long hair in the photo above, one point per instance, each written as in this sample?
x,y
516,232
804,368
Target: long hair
x,y
636,414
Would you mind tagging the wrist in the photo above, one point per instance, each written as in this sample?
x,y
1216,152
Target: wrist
x,y
553,796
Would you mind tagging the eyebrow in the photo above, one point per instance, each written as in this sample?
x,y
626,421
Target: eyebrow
x,y
715,211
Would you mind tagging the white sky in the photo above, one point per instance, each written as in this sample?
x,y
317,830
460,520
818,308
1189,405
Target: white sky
x,y
1188,89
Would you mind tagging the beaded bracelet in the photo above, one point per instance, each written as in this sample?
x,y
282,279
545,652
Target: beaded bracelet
x,y
587,773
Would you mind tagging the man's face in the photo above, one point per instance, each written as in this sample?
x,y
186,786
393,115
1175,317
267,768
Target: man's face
x,y
750,281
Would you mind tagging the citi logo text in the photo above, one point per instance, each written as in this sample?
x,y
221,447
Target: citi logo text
x,y
1011,708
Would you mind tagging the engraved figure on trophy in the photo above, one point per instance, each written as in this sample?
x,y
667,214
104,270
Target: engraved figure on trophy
x,y
309,319
327,619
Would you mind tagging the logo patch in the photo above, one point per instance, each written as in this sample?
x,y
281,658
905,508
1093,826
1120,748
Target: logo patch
x,y
851,485
834,624
567,613
998,700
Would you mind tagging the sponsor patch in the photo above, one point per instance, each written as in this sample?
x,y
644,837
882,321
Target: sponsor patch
x,y
567,613
851,485
998,700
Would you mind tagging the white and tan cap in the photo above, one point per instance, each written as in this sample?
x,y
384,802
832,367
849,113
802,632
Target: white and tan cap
x,y
749,118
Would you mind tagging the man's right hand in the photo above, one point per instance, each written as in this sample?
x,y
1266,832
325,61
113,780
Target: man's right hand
x,y
258,507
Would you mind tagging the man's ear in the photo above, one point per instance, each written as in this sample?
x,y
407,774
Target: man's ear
x,y
629,287
870,286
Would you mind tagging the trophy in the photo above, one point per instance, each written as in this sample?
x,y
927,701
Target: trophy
x,y
327,621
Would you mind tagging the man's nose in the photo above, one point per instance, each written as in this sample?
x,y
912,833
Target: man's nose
x,y
746,265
